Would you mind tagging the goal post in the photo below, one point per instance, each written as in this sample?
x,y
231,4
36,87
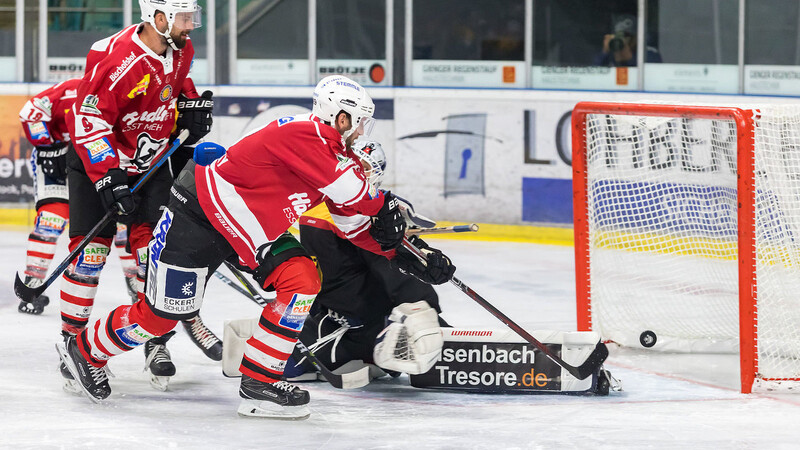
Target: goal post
x,y
687,224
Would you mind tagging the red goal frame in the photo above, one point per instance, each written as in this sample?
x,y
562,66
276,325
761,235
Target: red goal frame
x,y
748,314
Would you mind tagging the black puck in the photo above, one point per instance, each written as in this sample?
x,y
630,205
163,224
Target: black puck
x,y
647,339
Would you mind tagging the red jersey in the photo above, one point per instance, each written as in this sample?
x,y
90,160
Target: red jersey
x,y
124,111
44,116
259,188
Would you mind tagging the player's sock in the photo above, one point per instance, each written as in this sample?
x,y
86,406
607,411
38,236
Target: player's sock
x,y
79,283
48,226
278,400
203,337
129,264
158,361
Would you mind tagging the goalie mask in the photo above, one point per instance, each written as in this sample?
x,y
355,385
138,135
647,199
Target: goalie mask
x,y
373,160
186,14
337,93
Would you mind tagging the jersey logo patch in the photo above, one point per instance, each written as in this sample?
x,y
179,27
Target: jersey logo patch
x,y
146,149
89,105
141,86
344,162
133,335
99,150
166,93
38,131
295,314
284,120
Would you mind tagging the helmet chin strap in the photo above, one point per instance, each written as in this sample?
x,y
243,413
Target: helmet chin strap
x,y
166,35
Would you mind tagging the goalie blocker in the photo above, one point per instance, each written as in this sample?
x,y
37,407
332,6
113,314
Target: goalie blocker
x,y
500,362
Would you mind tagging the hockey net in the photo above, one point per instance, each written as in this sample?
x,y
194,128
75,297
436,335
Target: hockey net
x,y
687,221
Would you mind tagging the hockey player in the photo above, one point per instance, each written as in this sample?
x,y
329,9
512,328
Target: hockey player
x,y
241,206
122,120
359,291
43,121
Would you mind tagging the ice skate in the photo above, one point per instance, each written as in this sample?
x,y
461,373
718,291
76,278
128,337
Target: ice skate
x,y
36,306
279,400
93,381
70,385
203,338
130,286
158,362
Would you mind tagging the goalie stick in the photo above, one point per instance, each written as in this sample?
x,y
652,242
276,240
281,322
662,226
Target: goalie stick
x,y
585,370
27,293
351,380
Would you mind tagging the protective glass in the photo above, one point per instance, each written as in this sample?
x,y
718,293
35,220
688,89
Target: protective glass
x,y
365,126
189,19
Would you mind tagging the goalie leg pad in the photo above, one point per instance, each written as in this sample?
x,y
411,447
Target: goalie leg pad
x,y
412,342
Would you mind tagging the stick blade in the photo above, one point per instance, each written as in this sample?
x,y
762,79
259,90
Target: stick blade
x,y
592,363
25,292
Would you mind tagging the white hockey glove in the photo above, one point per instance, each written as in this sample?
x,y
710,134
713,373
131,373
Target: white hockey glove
x,y
413,340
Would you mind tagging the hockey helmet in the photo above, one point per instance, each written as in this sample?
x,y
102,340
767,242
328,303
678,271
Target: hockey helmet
x,y
181,12
373,157
337,93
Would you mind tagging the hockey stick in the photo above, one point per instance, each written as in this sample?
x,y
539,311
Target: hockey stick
x,y
27,293
351,380
442,230
585,370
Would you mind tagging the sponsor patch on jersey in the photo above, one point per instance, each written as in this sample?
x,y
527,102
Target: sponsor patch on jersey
x,y
91,260
141,86
166,93
99,150
49,224
38,131
43,103
344,162
295,314
89,105
179,290
133,335
284,120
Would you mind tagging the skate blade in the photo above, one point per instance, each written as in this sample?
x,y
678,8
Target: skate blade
x,y
71,387
159,383
268,410
62,353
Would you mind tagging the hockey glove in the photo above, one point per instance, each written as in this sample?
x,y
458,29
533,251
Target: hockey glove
x,y
115,193
194,114
388,225
438,270
53,160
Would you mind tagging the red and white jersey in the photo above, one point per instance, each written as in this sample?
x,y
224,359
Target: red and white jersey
x,y
124,111
259,188
44,116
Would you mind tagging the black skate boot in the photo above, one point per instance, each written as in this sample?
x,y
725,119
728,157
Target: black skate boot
x,y
279,400
158,362
130,285
92,380
36,306
203,338
70,385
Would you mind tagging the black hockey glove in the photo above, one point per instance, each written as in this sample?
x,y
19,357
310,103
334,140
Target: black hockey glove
x,y
194,114
115,193
438,270
53,160
388,225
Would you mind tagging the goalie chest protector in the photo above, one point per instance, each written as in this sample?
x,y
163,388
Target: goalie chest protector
x,y
499,361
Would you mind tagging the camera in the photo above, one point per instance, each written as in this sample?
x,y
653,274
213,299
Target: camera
x,y
617,43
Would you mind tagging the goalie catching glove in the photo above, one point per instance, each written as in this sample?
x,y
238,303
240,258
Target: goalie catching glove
x,y
194,114
412,340
53,160
438,269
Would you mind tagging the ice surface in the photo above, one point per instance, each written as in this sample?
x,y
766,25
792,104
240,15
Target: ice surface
x,y
669,401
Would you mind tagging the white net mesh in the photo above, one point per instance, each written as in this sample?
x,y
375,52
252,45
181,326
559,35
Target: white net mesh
x,y
662,213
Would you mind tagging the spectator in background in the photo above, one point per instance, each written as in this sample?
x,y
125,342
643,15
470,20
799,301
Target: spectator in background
x,y
619,48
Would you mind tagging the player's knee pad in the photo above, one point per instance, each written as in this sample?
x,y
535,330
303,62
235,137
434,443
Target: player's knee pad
x,y
412,342
276,254
51,219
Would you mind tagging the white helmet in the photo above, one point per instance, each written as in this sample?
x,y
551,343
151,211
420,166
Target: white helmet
x,y
188,10
337,93
371,153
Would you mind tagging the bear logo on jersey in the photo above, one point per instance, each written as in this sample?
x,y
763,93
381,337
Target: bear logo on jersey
x,y
146,149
